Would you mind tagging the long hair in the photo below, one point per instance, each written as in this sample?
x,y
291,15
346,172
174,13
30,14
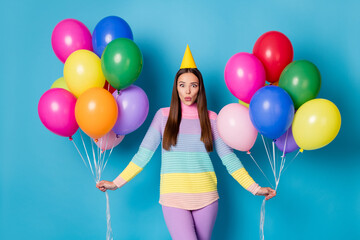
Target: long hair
x,y
173,123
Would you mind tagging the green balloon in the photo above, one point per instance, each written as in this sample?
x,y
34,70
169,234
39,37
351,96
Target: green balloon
x,y
60,83
301,80
121,62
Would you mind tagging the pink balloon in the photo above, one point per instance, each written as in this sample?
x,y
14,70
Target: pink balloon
x,y
235,127
57,112
68,36
244,75
109,140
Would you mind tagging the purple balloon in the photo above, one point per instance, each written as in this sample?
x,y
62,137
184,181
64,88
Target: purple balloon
x,y
133,106
290,142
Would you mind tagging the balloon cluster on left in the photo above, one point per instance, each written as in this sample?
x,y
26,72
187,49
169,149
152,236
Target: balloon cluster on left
x,y
96,92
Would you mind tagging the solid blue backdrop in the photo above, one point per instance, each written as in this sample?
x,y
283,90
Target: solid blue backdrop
x,y
46,191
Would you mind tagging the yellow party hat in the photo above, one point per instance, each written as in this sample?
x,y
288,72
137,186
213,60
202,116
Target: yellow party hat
x,y
188,60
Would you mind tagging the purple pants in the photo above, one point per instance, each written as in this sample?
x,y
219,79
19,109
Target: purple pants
x,y
191,224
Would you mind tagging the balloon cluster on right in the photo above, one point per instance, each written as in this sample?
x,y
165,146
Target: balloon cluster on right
x,y
286,109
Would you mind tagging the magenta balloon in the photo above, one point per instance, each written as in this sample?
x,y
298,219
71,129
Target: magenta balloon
x,y
133,106
109,141
68,36
235,127
290,142
57,112
244,75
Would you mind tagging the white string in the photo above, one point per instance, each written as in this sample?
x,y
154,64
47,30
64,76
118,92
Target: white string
x,y
273,148
277,178
103,158
96,173
267,152
262,220
292,160
109,153
88,158
79,153
109,235
283,159
94,160
260,169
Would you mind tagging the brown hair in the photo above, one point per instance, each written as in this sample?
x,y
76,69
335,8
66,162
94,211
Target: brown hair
x,y
173,123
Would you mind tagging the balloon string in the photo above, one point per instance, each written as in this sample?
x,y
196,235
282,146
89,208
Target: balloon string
x,y
267,152
96,177
99,158
260,169
262,220
283,159
274,159
104,151
292,160
99,169
87,155
73,141
103,158
94,160
112,147
109,234
287,132
82,157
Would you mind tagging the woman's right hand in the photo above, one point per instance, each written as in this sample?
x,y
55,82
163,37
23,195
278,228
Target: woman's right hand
x,y
105,185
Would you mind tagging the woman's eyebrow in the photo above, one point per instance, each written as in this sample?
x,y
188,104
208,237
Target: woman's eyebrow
x,y
190,83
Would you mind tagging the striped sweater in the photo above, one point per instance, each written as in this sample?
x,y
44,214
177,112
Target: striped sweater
x,y
188,180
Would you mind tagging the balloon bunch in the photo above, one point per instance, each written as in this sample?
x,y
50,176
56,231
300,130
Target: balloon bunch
x,y
96,91
277,98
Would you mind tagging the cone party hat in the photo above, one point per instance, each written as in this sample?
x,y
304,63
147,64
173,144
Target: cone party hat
x,y
188,60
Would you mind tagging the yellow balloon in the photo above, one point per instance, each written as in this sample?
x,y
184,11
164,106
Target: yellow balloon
x,y
82,71
244,103
60,83
316,123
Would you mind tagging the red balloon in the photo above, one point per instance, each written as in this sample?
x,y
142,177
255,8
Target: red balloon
x,y
109,87
275,51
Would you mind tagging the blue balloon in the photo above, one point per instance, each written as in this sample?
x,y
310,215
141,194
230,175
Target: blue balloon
x,y
271,111
108,29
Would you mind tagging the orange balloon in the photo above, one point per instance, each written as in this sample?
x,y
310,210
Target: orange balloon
x,y
96,112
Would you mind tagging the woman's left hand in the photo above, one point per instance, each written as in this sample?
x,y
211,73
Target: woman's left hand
x,y
267,192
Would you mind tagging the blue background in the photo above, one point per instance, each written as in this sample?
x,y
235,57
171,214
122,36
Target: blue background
x,y
47,193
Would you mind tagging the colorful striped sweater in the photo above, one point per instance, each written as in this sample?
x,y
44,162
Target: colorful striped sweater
x,y
188,179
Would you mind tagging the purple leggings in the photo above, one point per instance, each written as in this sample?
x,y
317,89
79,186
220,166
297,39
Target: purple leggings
x,y
191,224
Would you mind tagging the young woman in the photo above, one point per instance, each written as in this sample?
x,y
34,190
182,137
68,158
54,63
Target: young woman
x,y
188,185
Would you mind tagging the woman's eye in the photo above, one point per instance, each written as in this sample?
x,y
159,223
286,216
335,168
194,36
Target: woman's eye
x,y
181,85
194,85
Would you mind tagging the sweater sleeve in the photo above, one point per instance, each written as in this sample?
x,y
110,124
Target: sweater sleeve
x,y
232,162
146,150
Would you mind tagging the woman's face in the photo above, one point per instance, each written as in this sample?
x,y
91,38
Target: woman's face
x,y
188,88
